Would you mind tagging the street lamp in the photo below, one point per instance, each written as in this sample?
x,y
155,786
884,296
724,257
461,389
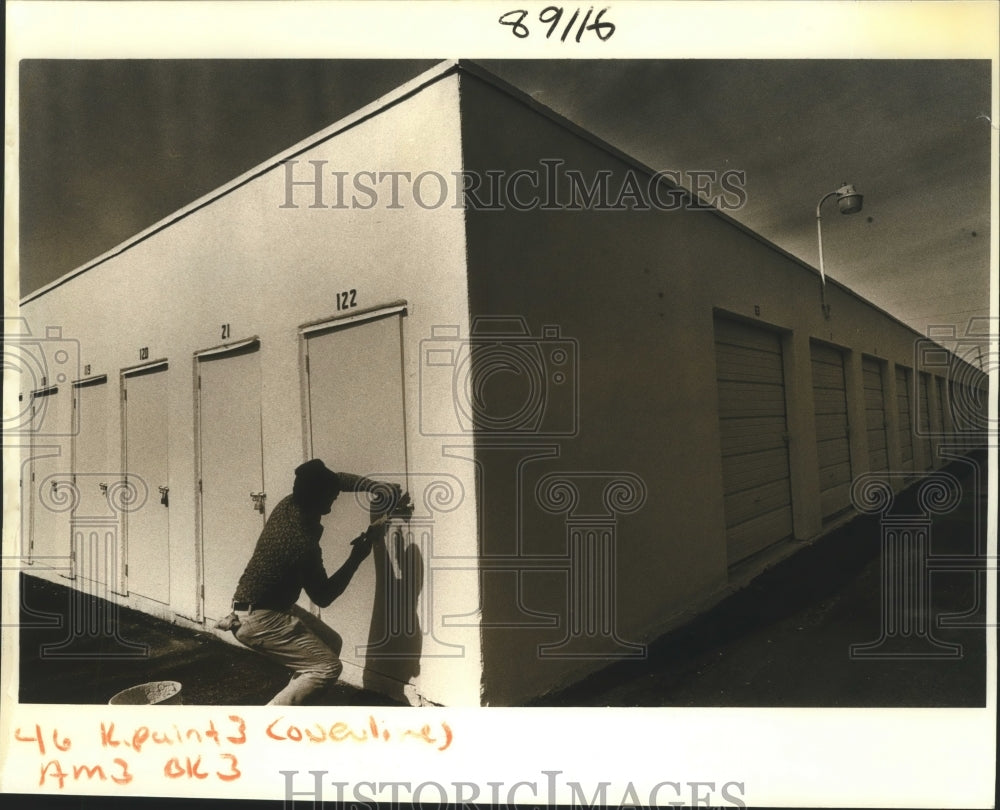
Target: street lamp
x,y
849,201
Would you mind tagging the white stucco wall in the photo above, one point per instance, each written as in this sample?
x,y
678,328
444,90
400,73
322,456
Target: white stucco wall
x,y
245,260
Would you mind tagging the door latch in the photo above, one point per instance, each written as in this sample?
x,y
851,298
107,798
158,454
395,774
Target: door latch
x,y
103,487
258,501
163,495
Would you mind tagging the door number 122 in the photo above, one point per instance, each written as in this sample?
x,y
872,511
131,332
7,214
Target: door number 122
x,y
347,300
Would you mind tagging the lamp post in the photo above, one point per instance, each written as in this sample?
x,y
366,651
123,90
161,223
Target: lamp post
x,y
849,201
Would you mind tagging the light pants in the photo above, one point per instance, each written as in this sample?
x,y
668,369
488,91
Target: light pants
x,y
301,642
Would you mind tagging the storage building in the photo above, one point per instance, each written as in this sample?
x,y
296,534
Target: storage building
x,y
606,415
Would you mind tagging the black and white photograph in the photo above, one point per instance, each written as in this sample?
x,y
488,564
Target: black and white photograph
x,y
395,409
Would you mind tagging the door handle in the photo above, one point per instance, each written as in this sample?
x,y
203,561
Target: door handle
x,y
163,495
258,501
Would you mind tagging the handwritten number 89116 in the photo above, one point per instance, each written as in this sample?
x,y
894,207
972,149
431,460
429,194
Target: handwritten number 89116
x,y
553,17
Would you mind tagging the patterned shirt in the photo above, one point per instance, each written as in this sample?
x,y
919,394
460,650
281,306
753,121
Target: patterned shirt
x,y
286,559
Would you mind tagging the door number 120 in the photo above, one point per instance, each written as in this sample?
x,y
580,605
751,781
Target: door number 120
x,y
347,300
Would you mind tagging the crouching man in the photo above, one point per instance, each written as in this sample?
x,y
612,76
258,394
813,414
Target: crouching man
x,y
286,559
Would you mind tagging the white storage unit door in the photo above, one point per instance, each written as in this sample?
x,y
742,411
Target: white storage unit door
x,y
95,543
905,420
357,425
875,421
924,419
147,468
754,435
230,469
49,495
833,447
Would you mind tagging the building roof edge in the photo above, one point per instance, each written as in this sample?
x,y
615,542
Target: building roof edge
x,y
380,104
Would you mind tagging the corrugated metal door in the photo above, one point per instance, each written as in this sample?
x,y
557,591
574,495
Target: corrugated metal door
x,y
958,424
356,425
754,435
939,422
147,524
833,444
875,421
924,420
230,468
905,420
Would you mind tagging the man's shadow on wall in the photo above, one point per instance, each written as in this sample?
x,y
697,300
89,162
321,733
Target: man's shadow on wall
x,y
395,636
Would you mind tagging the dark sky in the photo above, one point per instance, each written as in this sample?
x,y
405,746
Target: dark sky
x,y
109,147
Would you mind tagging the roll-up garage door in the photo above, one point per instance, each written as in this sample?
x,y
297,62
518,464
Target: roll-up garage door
x,y
833,447
954,394
754,434
924,419
875,421
939,421
905,422
832,440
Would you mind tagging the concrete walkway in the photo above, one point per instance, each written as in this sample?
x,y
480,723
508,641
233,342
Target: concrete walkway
x,y
782,641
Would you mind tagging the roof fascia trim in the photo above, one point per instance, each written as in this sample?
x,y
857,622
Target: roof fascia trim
x,y
473,69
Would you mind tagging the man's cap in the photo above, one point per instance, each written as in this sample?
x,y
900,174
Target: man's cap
x,y
313,479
